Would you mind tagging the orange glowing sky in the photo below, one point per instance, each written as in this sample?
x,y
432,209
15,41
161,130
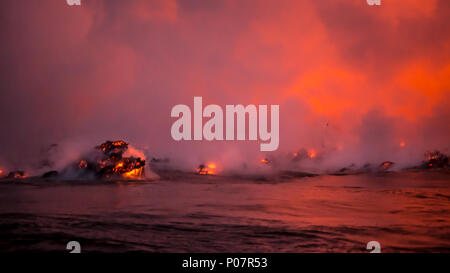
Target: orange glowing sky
x,y
114,69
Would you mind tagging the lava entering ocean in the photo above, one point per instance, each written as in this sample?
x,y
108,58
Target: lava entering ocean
x,y
113,163
436,160
117,159
210,168
111,159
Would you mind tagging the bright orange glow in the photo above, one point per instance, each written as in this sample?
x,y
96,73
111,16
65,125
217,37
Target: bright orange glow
x,y
135,173
432,156
204,172
210,168
1,172
118,143
82,164
118,167
116,161
323,62
17,175
386,165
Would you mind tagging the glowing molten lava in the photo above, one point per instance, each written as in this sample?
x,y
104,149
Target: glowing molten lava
x,y
136,173
113,163
16,175
82,164
436,159
118,167
210,168
265,160
312,153
386,165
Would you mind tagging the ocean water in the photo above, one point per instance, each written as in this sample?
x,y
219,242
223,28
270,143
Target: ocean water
x,y
404,212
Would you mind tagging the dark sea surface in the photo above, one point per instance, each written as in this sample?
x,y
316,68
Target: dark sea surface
x,y
404,212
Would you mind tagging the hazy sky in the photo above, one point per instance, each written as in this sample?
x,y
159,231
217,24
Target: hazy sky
x,y
345,74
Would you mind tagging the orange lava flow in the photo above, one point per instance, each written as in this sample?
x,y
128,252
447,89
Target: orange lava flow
x,y
82,164
135,173
210,168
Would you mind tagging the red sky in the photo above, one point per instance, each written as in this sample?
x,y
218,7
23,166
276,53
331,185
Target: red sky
x,y
113,69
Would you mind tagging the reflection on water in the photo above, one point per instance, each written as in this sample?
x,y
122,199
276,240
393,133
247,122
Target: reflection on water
x,y
404,212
